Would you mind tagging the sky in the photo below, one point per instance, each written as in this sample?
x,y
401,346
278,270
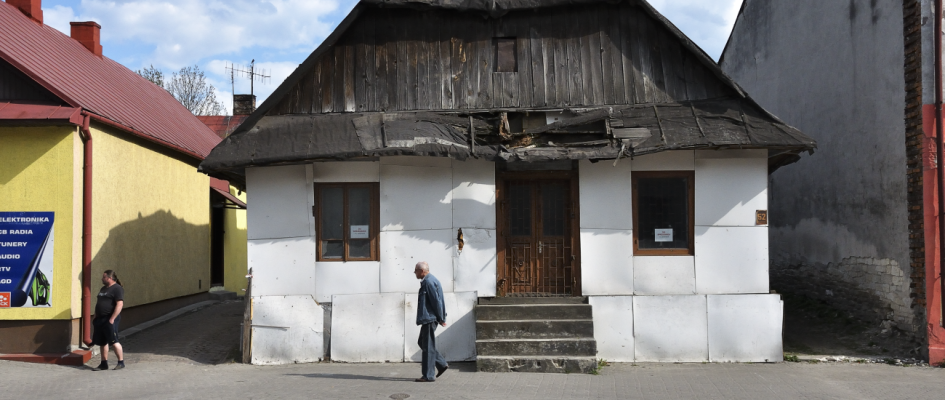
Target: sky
x,y
278,34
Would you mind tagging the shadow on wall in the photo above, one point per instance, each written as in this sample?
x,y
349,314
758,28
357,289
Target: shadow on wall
x,y
156,257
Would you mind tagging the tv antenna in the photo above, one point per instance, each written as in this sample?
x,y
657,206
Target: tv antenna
x,y
250,72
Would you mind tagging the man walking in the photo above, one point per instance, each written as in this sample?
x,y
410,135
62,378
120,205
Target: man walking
x,y
430,312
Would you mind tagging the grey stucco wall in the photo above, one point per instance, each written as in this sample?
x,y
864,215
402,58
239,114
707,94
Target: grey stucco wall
x,y
834,69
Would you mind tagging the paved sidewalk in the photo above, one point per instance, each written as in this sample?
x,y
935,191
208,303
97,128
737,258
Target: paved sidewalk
x,y
179,359
174,380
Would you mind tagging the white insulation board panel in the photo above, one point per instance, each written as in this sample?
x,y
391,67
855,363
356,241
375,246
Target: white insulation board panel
x,y
417,161
729,154
677,160
606,262
280,202
664,275
613,327
745,328
474,268
402,250
332,278
455,342
282,267
730,191
731,260
347,171
605,195
287,330
473,194
415,198
670,329
367,327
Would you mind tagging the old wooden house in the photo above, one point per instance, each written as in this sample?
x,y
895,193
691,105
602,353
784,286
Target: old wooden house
x,y
584,180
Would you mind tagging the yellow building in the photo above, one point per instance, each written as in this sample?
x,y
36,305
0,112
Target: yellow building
x,y
111,157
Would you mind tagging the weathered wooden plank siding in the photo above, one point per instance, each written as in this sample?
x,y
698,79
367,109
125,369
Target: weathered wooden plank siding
x,y
405,59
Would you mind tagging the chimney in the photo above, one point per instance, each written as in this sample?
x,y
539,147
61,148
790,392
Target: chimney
x,y
32,8
87,33
244,104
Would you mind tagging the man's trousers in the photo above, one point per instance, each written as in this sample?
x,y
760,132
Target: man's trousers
x,y
431,358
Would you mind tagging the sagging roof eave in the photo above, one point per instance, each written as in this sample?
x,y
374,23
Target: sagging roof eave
x,y
779,156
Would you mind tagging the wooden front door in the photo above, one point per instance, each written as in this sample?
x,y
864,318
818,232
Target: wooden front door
x,y
537,221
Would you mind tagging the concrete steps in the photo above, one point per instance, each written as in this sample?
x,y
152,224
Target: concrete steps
x,y
535,334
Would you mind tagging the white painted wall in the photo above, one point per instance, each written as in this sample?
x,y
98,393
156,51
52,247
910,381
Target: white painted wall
x,y
613,327
334,278
287,330
670,328
473,194
416,198
680,160
367,327
455,342
280,202
474,269
402,250
417,161
745,328
605,195
282,266
606,262
730,190
348,171
664,275
731,260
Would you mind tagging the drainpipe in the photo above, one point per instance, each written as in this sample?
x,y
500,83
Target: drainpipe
x,y
86,230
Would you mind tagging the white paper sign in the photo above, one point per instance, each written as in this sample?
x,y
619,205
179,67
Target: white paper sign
x,y
664,235
360,232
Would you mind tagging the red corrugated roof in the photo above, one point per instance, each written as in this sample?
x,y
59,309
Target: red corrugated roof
x,y
222,125
100,85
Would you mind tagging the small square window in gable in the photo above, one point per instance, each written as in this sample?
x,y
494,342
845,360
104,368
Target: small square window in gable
x,y
506,55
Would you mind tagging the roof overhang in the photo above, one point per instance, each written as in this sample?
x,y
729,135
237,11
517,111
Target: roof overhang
x,y
29,113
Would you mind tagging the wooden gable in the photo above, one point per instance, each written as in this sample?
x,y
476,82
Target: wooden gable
x,y
403,59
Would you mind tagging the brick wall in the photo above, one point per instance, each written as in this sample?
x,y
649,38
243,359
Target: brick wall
x,y
912,35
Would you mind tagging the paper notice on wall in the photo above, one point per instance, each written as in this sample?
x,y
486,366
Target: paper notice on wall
x,y
664,235
360,232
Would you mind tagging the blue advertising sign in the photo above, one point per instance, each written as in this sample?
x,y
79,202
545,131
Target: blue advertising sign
x,y
26,259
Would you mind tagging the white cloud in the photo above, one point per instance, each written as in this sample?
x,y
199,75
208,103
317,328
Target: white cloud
x,y
59,17
706,22
180,32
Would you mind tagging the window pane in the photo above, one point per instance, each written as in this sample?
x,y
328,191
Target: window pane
x,y
359,249
359,206
332,249
553,209
662,209
332,213
520,209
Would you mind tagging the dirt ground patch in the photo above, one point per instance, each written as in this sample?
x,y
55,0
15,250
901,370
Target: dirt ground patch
x,y
812,327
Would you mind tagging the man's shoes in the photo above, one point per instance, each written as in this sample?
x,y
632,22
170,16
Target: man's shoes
x,y
120,365
441,371
101,367
422,380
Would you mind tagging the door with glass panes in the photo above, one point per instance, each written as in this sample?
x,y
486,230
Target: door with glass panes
x,y
537,216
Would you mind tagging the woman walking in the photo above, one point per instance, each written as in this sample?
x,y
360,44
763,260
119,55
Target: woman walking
x,y
107,316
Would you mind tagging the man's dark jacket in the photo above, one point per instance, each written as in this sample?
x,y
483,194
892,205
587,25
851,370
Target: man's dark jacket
x,y
430,307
